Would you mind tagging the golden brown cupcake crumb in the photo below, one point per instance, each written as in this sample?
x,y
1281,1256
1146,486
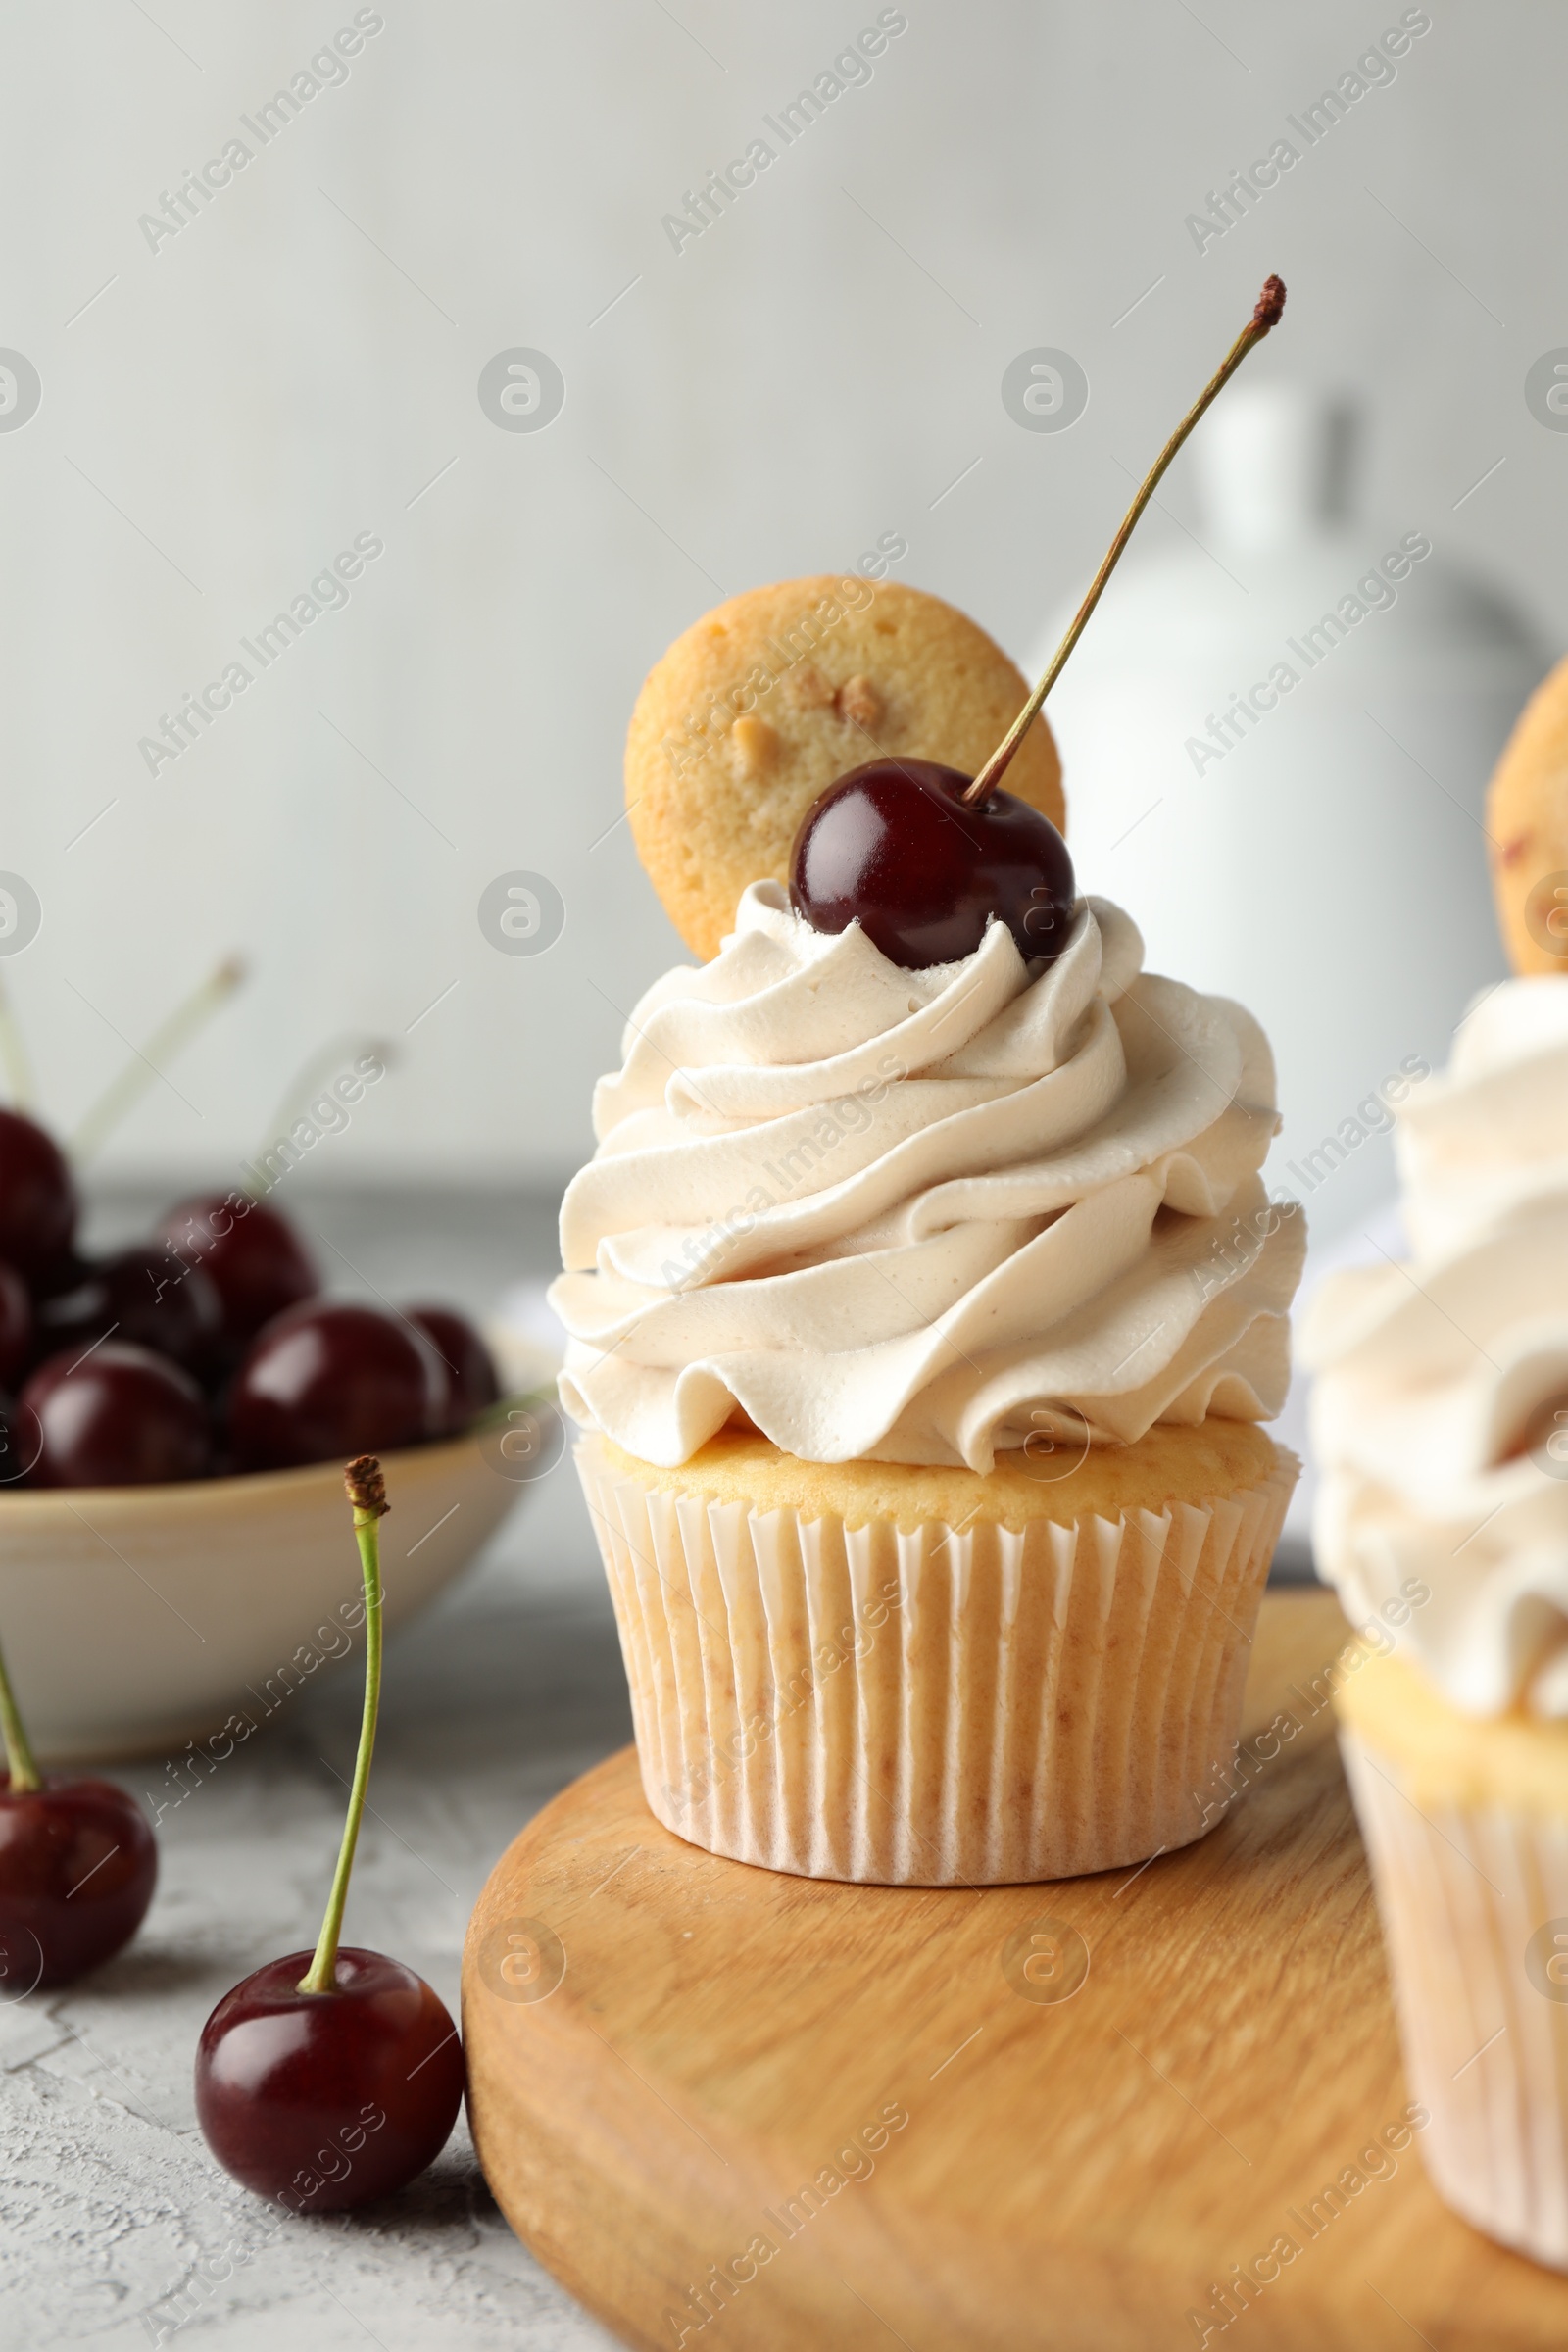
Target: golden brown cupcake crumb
x,y
1166,1466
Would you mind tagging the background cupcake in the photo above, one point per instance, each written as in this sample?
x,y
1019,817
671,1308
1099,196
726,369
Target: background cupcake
x,y
1441,1419
922,1320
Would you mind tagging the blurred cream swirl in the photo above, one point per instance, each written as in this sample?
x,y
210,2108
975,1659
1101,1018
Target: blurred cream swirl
x,y
920,1217
1440,1416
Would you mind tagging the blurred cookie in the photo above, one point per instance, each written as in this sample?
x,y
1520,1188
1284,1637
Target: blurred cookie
x,y
768,699
1526,820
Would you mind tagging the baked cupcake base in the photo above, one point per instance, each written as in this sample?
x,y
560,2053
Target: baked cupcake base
x,y
929,1676
1466,1823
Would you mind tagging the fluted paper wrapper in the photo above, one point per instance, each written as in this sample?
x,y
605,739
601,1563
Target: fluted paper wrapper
x,y
1469,1898
939,1706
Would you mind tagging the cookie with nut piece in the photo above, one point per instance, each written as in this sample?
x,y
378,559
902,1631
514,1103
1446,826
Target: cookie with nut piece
x,y
1526,824
769,698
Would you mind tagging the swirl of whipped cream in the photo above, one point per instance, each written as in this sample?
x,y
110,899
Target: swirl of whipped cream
x,y
1440,1415
916,1216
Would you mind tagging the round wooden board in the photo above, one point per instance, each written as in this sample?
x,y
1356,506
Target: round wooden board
x,y
712,2088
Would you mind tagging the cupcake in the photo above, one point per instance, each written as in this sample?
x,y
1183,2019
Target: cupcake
x,y
1440,1422
922,1313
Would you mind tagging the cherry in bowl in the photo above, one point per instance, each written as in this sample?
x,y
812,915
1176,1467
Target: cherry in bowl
x,y
37,1198
332,1378
468,1371
119,1416
252,1257
16,1325
143,1295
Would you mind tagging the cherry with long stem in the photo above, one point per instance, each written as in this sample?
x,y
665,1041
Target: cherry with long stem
x,y
21,1766
306,1083
925,858
366,1492
77,1865
167,1039
331,2077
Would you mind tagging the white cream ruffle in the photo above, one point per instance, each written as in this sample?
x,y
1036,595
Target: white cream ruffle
x,y
901,1214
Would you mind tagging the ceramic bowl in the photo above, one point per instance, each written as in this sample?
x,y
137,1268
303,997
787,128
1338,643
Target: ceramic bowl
x,y
136,1619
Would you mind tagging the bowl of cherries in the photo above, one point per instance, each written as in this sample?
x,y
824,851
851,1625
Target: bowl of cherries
x,y
174,1421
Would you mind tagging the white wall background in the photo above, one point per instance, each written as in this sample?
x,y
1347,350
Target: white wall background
x,y
299,363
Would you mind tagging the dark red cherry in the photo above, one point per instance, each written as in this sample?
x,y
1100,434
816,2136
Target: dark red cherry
x,y
146,1295
16,1325
254,1258
78,1867
21,1441
327,1379
892,847
328,2099
468,1373
37,1198
67,1270
118,1417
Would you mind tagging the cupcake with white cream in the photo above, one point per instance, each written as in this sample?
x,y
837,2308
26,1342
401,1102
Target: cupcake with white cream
x,y
1441,1420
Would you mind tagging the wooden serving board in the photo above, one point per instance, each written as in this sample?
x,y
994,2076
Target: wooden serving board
x,y
861,2111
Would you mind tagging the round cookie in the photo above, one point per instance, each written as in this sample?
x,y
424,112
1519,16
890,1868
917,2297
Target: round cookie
x,y
1527,821
768,699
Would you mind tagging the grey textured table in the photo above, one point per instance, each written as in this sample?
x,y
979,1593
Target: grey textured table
x,y
113,2222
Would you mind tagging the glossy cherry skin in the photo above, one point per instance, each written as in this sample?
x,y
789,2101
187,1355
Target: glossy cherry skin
x,y
253,1257
892,847
119,1417
37,1198
145,1296
21,1441
468,1372
290,2084
326,1381
16,1325
78,1867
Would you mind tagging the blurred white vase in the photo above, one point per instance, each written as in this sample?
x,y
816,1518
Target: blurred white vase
x,y
1316,848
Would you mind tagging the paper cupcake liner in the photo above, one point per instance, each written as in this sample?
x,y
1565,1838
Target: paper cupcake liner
x,y
1474,1903
934,1707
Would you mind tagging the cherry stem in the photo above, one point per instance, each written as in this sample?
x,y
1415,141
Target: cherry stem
x,y
1270,303
366,1490
19,1071
167,1039
21,1762
303,1086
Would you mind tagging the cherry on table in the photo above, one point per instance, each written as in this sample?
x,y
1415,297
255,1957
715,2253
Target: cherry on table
x,y
253,1257
37,1198
118,1417
894,847
78,1867
468,1371
331,2077
328,2099
144,1295
332,1378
